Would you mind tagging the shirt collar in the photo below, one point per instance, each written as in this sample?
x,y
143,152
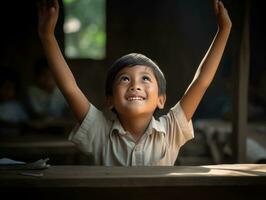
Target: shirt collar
x,y
117,127
153,125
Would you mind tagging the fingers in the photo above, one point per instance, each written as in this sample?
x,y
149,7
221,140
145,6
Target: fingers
x,y
43,5
222,16
221,6
52,6
56,4
52,3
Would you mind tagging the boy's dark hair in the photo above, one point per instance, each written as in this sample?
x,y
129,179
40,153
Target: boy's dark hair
x,y
131,60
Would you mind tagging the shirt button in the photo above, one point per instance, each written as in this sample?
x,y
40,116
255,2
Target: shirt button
x,y
137,148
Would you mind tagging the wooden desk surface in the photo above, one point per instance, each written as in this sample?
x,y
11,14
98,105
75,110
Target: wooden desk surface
x,y
114,177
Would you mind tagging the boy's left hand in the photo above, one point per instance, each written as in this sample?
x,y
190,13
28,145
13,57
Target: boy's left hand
x,y
224,21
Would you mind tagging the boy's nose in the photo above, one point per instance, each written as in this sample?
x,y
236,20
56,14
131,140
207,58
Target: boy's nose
x,y
135,86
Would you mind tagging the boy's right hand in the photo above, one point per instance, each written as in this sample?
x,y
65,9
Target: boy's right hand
x,y
224,21
48,11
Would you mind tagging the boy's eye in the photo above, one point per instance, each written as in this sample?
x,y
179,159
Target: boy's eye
x,y
146,78
124,79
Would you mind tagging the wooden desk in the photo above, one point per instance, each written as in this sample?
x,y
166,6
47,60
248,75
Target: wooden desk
x,y
86,182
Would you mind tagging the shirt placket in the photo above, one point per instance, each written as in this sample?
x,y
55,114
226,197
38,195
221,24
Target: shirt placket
x,y
138,155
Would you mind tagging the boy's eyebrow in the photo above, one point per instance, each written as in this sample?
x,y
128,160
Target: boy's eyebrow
x,y
146,73
142,73
120,74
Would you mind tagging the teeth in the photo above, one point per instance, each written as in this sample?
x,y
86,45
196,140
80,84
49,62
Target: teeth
x,y
135,99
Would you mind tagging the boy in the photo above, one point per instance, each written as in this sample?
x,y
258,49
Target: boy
x,y
135,88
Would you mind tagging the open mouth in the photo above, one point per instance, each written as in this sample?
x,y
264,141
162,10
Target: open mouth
x,y
135,98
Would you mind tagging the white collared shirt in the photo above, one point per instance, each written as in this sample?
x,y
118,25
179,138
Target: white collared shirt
x,y
111,145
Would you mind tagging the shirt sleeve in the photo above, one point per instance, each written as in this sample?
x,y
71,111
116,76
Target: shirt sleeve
x,y
90,135
179,129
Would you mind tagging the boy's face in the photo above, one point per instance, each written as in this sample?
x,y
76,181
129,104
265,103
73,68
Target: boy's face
x,y
135,92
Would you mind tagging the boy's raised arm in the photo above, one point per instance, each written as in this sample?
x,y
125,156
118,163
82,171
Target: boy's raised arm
x,y
209,63
48,11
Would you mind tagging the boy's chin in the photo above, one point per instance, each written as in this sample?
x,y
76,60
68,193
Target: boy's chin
x,y
137,112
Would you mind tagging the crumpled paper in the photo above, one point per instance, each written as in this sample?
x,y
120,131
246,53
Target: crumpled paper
x,y
6,163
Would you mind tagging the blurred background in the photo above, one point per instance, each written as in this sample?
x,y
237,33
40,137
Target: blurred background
x,y
35,119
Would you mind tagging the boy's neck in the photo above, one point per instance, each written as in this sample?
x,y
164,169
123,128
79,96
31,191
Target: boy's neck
x,y
135,125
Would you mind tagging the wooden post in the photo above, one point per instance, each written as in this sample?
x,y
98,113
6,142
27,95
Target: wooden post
x,y
240,116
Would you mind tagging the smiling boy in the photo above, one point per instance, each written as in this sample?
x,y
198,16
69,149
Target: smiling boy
x,y
135,88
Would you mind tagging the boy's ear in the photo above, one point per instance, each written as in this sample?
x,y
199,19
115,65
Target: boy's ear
x,y
161,101
109,102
